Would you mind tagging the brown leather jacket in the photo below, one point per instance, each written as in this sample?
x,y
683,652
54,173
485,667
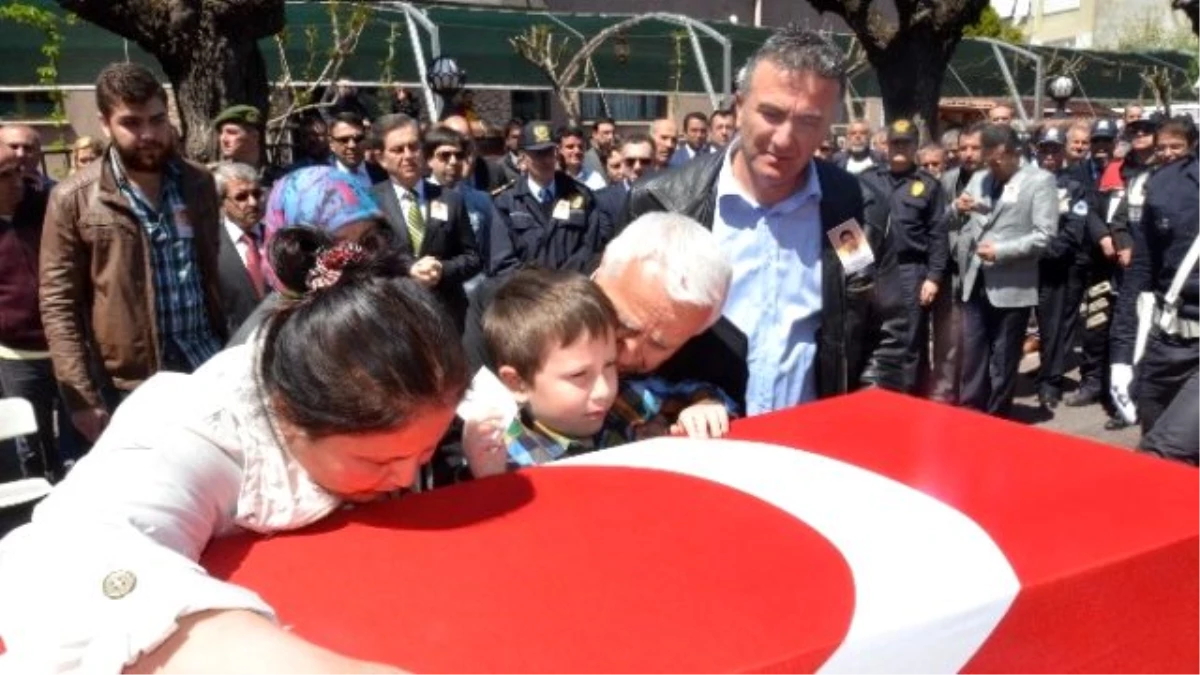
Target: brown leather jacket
x,y
97,285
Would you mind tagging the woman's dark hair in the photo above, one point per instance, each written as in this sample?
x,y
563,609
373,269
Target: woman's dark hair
x,y
363,354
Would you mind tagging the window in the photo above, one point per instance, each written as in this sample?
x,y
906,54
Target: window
x,y
26,105
623,107
531,105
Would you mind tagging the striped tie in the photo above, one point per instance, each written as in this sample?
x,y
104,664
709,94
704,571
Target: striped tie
x,y
415,222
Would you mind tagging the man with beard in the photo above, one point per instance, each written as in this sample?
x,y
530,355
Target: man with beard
x,y
911,204
129,257
947,307
858,156
603,142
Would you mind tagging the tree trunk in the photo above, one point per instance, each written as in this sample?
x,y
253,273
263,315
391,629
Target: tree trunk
x,y
910,73
218,70
207,48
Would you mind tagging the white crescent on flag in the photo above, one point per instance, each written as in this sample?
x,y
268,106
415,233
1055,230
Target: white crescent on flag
x,y
930,584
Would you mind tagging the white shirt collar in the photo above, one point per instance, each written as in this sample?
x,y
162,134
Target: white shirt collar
x,y
235,231
402,192
535,188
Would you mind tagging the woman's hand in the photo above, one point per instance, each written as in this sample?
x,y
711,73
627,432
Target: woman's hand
x,y
240,641
483,446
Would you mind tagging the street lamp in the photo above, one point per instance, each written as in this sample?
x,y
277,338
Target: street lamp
x,y
445,79
1060,88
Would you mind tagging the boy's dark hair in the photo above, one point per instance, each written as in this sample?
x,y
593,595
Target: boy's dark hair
x,y
128,83
365,354
538,310
440,136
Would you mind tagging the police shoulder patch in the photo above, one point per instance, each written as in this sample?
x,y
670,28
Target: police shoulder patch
x,y
918,188
1080,208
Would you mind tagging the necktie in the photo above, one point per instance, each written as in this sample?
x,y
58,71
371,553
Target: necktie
x,y
253,261
544,196
415,222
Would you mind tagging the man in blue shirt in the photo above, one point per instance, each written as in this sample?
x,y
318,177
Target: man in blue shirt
x,y
815,326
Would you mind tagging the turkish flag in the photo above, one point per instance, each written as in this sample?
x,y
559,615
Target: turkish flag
x,y
871,532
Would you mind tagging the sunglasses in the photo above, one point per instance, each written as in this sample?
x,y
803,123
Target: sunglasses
x,y
447,155
636,161
347,140
246,194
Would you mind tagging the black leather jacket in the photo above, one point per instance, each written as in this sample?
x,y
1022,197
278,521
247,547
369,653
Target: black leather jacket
x,y
861,339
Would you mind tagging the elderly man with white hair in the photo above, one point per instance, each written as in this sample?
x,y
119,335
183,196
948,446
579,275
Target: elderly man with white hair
x,y
240,261
667,277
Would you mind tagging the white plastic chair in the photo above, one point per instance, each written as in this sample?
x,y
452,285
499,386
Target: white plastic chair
x,y
17,420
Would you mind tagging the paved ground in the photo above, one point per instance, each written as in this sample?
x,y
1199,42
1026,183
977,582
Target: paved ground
x,y
1087,422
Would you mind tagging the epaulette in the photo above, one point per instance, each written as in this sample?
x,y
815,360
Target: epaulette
x,y
502,188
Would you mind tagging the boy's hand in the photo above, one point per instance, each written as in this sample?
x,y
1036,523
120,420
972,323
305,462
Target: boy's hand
x,y
483,447
707,419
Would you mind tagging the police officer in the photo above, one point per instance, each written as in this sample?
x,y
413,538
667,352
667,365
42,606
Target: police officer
x,y
1057,310
545,217
910,202
1120,194
1164,253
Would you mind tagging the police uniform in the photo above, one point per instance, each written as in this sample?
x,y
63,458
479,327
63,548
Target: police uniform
x,y
563,230
912,205
1167,389
1118,199
1058,297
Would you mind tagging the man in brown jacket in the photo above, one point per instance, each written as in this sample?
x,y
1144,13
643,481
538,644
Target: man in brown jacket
x,y
129,257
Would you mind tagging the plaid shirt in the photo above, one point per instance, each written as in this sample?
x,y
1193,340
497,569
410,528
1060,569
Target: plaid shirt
x,y
179,305
644,408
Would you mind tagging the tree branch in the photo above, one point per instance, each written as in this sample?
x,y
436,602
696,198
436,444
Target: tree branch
x,y
137,20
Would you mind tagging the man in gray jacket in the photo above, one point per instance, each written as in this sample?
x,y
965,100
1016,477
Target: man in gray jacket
x,y
1013,215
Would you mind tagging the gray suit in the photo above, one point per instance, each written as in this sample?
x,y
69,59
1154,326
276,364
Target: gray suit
x,y
1020,224
946,310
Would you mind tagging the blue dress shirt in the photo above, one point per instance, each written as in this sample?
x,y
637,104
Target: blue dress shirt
x,y
775,297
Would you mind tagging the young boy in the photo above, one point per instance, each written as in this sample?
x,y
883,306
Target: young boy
x,y
552,336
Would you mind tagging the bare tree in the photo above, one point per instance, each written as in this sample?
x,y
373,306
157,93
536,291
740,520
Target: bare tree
x,y
207,48
910,56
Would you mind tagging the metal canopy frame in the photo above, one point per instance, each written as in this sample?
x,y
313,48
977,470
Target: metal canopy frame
x,y
998,49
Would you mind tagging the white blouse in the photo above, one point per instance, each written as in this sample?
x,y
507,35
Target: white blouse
x,y
108,563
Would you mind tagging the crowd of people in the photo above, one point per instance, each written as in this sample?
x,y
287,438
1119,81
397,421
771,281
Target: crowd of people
x,y
246,346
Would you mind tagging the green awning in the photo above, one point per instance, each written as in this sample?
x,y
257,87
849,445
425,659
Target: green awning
x,y
656,62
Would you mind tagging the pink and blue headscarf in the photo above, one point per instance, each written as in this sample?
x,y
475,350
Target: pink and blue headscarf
x,y
320,197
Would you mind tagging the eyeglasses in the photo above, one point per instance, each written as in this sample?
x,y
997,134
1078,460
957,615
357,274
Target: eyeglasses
x,y
636,161
247,194
357,139
447,155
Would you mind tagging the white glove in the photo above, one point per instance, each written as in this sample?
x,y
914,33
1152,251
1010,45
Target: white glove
x,y
1120,377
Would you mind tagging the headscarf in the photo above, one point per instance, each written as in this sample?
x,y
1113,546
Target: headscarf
x,y
320,197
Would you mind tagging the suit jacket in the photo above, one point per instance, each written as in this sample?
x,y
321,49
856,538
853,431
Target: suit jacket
x,y
238,297
611,201
682,157
1020,223
861,339
449,239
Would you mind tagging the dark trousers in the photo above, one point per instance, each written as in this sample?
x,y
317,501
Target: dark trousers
x,y
992,342
911,276
1097,320
32,380
1168,396
947,342
1058,323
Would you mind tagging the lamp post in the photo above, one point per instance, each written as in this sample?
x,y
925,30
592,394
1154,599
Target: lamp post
x,y
1060,88
445,78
